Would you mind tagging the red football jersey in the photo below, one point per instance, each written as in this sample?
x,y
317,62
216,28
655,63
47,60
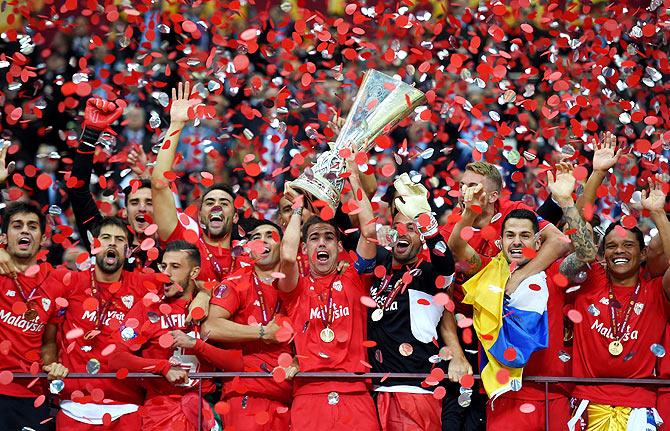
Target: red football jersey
x,y
83,315
20,338
593,335
239,296
306,305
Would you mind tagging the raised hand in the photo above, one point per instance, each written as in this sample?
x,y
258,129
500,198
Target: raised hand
x,y
413,198
137,160
605,155
474,196
99,114
182,103
654,200
563,185
336,123
5,169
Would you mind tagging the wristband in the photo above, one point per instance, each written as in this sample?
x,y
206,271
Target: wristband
x,y
297,211
261,332
90,136
427,231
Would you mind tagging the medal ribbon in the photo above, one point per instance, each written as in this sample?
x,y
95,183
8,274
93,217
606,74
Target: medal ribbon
x,y
619,331
327,310
19,287
102,309
261,301
214,263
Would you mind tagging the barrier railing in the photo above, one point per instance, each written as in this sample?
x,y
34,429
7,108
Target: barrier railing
x,y
547,380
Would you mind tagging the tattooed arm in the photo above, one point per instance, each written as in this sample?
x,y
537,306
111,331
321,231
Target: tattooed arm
x,y
582,239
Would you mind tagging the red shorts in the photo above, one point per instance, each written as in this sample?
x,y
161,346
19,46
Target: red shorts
x,y
127,422
256,414
507,416
175,413
663,407
399,411
334,412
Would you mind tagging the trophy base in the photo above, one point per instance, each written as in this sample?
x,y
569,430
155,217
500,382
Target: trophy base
x,y
317,188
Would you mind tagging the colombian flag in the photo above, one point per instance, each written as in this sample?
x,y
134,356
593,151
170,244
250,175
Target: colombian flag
x,y
509,328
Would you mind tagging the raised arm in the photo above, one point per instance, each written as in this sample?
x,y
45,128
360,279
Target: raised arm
x,y
582,239
605,156
290,244
165,209
654,202
365,248
467,257
98,115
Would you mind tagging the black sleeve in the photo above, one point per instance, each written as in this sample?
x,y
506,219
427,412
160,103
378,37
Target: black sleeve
x,y
85,210
550,211
350,240
440,256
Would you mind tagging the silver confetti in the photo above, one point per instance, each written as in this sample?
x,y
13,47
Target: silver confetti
x,y
658,350
481,146
93,366
593,310
154,120
564,356
56,386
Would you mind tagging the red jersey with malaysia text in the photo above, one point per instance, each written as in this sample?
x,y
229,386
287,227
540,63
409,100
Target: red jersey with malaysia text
x,y
593,335
149,323
239,295
21,339
306,306
83,315
215,262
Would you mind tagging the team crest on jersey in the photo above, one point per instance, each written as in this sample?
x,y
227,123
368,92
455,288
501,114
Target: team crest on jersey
x,y
11,293
46,303
638,307
128,301
337,285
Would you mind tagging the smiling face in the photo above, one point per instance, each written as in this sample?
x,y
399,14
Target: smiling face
x,y
113,247
322,248
623,255
139,207
218,214
518,234
24,236
408,245
181,269
268,256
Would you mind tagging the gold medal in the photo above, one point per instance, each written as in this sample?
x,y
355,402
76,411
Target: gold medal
x,y
30,314
615,348
327,335
377,315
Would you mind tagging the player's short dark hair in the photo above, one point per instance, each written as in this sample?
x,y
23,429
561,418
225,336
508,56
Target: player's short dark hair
x,y
253,223
113,221
22,208
523,214
190,249
314,220
144,184
636,230
219,186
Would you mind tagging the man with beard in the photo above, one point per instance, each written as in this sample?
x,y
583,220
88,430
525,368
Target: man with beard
x,y
328,319
27,303
99,115
486,231
624,313
171,403
98,301
406,331
520,240
242,314
217,210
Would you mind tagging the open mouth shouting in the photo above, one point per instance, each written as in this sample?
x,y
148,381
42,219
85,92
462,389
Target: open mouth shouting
x,y
322,256
402,245
515,253
111,256
24,243
141,221
216,218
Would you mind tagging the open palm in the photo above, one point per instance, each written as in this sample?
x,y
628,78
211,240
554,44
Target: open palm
x,y
605,155
182,104
654,200
5,169
564,184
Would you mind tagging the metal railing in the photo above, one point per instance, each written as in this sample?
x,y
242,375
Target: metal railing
x,y
546,380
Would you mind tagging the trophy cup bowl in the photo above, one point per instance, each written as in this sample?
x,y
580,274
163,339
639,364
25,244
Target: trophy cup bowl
x,y
380,104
